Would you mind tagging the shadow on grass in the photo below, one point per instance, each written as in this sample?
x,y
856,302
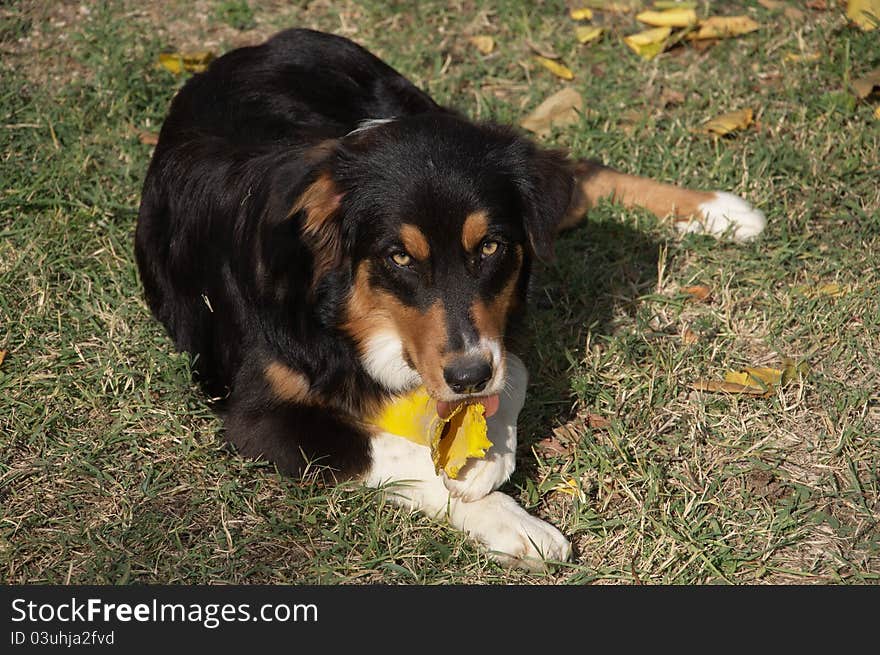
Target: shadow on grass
x,y
601,270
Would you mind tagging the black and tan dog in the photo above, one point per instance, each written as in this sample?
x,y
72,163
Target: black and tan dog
x,y
322,236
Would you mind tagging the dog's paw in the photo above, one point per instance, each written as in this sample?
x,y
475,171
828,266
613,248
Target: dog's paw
x,y
479,477
514,537
726,213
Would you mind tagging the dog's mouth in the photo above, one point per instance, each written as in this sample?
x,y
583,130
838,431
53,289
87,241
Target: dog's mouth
x,y
490,403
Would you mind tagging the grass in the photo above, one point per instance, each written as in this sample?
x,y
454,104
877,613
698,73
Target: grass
x,y
110,471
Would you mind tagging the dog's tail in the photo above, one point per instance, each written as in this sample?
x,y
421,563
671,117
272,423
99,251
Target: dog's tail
x,y
716,212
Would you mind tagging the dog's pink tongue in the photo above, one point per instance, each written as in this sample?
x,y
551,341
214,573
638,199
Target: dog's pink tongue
x,y
490,403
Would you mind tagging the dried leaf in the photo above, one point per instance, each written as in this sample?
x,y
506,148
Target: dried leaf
x,y
559,70
721,27
148,138
759,378
817,5
571,488
831,289
597,421
726,387
562,108
806,57
2,356
689,336
729,122
877,113
793,13
582,13
698,292
793,370
554,446
671,97
772,5
483,42
755,381
675,4
192,62
650,43
864,13
587,33
669,18
864,86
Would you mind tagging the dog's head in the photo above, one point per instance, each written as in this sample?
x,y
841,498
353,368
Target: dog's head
x,y
433,222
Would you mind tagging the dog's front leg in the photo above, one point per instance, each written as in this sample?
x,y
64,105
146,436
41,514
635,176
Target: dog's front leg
x,y
510,534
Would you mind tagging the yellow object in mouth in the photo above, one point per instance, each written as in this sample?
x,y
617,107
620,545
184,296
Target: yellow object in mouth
x,y
453,440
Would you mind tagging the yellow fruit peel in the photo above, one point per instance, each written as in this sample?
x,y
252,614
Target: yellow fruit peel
x,y
453,441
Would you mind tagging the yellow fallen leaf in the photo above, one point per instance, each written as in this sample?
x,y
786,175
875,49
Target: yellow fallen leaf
x,y
720,27
559,70
864,86
571,488
562,108
864,13
877,113
675,4
192,62
764,379
729,122
587,33
2,356
755,381
806,57
726,387
650,43
669,18
483,42
833,289
460,437
772,5
582,13
793,370
453,440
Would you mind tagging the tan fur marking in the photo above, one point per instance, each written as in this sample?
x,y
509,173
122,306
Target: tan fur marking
x,y
474,231
320,202
593,182
423,335
490,319
286,383
415,242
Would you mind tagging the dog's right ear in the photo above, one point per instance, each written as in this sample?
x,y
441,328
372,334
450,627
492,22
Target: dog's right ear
x,y
317,210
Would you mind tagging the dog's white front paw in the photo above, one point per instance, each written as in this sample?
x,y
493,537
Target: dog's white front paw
x,y
479,477
512,535
724,212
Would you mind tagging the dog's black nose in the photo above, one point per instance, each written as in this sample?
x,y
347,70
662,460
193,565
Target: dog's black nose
x,y
468,374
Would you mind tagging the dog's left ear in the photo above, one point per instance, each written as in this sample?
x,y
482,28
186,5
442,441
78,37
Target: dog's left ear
x,y
546,194
321,227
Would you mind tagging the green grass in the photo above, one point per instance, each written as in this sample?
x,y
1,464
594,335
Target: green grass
x,y
110,471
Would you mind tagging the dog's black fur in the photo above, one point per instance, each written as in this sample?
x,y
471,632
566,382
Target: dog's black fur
x,y
263,203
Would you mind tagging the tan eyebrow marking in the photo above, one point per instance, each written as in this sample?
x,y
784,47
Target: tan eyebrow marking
x,y
476,226
415,242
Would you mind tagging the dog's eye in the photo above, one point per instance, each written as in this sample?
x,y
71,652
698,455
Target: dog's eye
x,y
489,248
401,259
